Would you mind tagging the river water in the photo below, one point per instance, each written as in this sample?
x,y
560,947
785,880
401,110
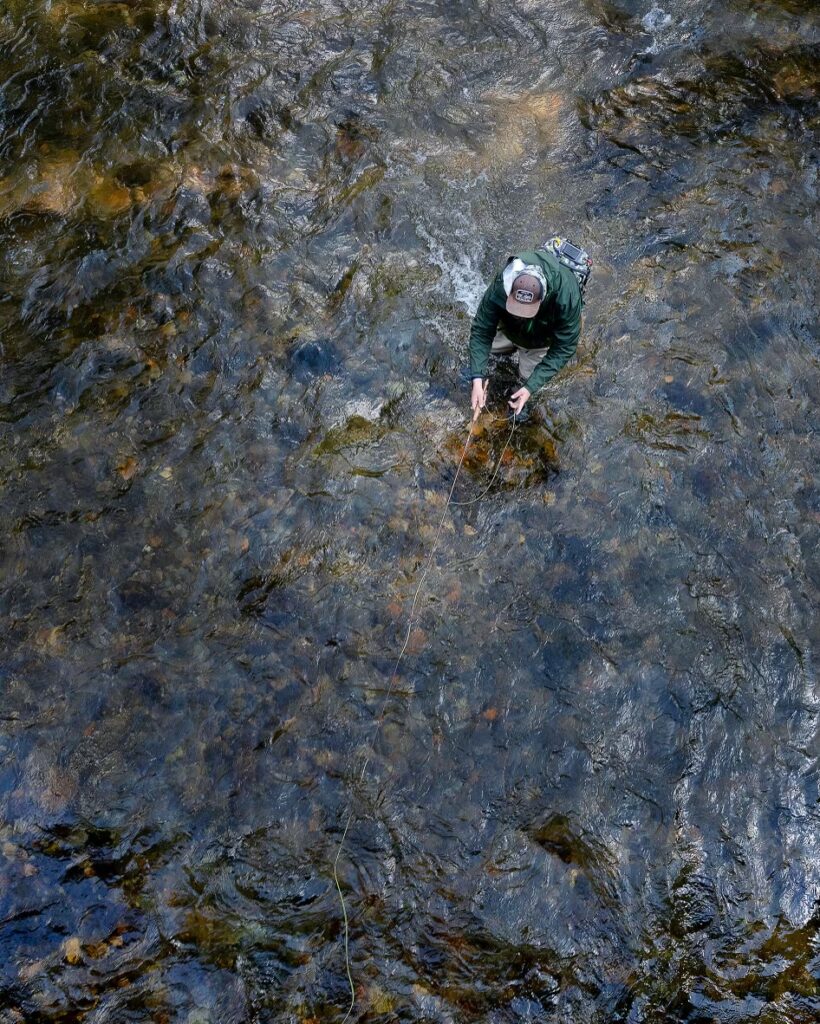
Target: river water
x,y
241,244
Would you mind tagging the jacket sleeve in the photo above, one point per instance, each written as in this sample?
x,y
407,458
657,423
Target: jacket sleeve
x,y
566,332
483,330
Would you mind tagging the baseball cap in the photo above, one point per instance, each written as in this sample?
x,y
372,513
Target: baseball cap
x,y
526,287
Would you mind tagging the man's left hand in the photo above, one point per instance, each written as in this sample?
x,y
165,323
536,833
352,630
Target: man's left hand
x,y
518,399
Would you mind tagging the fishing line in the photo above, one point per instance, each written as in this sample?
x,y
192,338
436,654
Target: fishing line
x,y
380,718
495,474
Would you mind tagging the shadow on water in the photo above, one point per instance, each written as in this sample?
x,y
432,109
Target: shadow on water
x,y
241,245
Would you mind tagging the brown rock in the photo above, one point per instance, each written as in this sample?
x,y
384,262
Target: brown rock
x,y
107,198
197,180
234,181
54,191
127,468
72,950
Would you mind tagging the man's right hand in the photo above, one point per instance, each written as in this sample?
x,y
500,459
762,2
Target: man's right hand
x,y
479,396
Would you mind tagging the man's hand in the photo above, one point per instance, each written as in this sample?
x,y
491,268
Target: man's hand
x,y
478,398
518,399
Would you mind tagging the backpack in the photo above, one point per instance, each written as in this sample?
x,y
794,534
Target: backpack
x,y
572,256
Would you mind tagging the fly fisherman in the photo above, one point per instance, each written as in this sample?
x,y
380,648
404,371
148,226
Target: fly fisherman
x,y
535,301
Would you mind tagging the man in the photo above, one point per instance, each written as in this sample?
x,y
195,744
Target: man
x,y
535,302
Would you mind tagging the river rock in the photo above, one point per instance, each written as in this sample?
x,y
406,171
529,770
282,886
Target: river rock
x,y
108,198
54,190
72,950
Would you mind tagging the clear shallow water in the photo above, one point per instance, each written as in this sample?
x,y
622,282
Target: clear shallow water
x,y
241,245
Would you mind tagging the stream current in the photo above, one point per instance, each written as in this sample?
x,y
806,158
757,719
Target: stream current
x,y
241,246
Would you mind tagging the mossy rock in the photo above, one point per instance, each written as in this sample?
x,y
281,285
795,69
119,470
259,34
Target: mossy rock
x,y
356,432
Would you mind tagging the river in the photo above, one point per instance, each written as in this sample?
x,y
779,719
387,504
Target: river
x,y
241,246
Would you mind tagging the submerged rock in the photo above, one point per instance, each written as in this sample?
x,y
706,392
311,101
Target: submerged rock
x,y
313,359
356,432
234,181
51,189
72,950
108,198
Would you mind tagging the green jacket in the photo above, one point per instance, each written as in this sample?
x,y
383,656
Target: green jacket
x,y
557,325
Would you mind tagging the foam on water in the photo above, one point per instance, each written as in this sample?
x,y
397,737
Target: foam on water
x,y
461,279
656,20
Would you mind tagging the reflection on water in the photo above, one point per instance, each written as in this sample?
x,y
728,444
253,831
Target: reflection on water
x,y
241,246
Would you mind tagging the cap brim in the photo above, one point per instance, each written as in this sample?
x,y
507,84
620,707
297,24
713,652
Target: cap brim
x,y
525,309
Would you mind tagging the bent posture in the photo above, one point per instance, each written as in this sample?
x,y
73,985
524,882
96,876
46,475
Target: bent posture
x,y
535,302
